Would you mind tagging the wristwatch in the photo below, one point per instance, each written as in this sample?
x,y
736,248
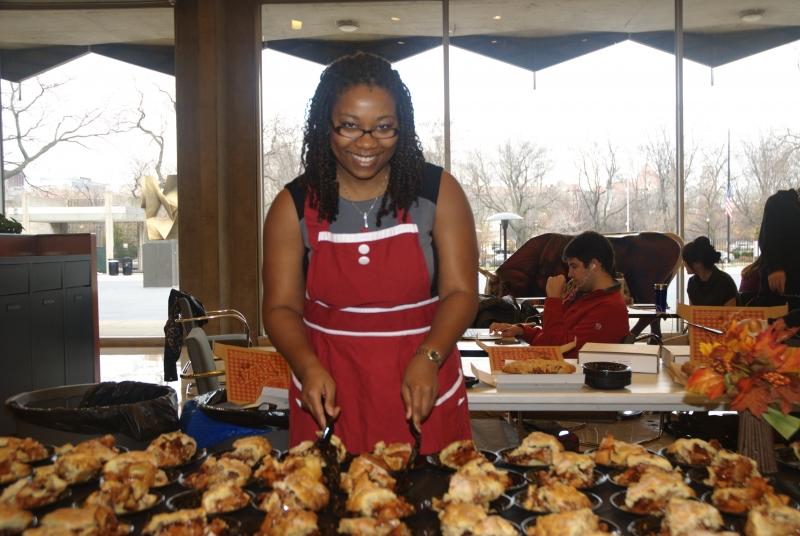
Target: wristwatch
x,y
431,354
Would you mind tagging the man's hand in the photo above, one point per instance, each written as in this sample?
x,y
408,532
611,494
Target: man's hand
x,y
506,330
319,394
420,388
555,286
777,281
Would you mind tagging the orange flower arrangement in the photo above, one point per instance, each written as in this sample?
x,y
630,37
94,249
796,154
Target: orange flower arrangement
x,y
752,365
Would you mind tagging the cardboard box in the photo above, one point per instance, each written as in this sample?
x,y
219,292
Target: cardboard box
x,y
644,358
720,318
249,369
499,354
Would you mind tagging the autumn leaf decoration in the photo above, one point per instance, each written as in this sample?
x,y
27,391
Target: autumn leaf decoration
x,y
755,369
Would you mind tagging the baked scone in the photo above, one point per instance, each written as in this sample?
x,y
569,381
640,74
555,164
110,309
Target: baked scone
x,y
103,448
250,449
478,482
224,498
538,366
289,523
394,455
694,451
14,520
537,448
11,469
271,470
654,490
173,448
458,453
297,491
757,492
189,521
782,520
78,467
135,465
305,448
571,468
27,449
683,517
553,498
729,470
90,519
459,519
218,470
575,523
370,500
123,497
368,526
614,452
44,487
370,467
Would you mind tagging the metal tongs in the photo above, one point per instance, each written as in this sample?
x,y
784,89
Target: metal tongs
x,y
715,331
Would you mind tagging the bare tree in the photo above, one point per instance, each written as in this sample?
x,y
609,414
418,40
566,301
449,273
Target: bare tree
x,y
34,127
769,164
597,175
283,144
704,212
512,181
661,157
156,134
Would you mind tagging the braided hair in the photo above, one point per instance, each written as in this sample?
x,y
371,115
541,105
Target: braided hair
x,y
319,177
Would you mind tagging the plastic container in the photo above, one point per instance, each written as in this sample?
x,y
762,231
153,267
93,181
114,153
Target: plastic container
x,y
113,267
606,375
127,266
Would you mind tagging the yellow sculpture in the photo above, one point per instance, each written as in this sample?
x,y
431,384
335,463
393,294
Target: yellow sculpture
x,y
160,208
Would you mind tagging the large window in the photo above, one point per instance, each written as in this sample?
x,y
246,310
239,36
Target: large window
x,y
90,148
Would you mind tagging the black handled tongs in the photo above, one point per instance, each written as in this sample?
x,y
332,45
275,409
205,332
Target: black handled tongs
x,y
412,459
329,454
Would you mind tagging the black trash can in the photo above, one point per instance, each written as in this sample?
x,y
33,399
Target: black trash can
x,y
133,412
113,267
127,266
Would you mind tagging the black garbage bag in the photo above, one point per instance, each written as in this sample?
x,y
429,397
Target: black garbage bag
x,y
139,410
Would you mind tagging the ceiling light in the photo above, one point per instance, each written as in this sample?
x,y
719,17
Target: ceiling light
x,y
348,26
401,42
395,19
297,24
497,17
751,15
493,41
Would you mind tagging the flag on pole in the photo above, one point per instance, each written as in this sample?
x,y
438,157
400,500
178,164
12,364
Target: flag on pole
x,y
728,205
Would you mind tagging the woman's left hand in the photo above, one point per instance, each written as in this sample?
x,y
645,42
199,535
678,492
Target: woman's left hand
x,y
420,389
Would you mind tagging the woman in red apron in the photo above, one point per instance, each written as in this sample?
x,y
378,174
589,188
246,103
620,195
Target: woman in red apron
x,y
370,270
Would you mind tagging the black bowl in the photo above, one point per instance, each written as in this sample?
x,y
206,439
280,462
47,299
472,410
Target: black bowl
x,y
607,375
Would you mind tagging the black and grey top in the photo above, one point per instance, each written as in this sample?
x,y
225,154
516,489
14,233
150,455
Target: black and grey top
x,y
351,216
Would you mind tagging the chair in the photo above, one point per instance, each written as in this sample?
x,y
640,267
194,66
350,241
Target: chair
x,y
201,369
202,362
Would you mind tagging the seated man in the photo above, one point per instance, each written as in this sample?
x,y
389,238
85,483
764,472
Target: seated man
x,y
589,309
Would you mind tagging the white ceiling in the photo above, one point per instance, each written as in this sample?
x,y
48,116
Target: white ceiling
x,y
44,25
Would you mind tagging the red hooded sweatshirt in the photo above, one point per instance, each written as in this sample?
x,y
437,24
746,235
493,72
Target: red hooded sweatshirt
x,y
599,316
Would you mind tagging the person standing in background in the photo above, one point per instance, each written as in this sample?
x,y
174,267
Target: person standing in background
x,y
780,250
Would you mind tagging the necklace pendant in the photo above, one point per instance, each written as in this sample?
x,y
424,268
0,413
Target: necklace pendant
x,y
366,225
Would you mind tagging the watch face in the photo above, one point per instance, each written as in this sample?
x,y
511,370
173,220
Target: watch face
x,y
435,356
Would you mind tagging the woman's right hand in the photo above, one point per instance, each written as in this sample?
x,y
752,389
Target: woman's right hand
x,y
319,394
506,330
777,282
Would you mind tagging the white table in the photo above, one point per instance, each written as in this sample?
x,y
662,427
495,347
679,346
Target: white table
x,y
647,392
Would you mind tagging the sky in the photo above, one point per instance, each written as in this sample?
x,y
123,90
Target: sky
x,y
623,93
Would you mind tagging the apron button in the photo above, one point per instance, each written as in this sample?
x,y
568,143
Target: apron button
x,y
363,261
363,249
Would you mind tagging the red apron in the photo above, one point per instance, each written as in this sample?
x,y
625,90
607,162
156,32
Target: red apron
x,y
368,308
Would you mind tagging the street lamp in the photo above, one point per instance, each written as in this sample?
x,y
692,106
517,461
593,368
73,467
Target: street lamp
x,y
504,218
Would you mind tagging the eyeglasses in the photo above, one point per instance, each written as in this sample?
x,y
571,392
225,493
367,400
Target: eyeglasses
x,y
381,132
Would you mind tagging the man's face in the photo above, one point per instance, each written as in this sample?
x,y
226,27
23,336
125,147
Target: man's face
x,y
582,275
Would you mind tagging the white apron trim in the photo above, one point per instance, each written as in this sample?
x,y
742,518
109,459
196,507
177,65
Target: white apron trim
x,y
450,392
400,333
401,307
370,236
